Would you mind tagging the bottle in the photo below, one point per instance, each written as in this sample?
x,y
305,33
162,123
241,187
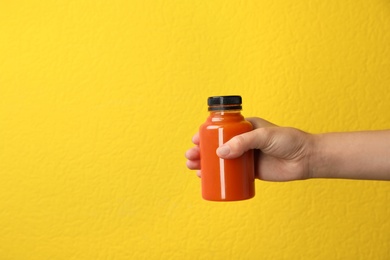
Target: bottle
x,y
225,179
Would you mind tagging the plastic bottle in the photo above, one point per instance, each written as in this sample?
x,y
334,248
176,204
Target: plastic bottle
x,y
225,179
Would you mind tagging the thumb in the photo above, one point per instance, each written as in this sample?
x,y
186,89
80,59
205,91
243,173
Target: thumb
x,y
238,145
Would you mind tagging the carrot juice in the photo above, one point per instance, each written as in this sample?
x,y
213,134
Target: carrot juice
x,y
225,179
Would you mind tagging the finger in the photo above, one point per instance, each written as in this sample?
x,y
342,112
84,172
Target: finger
x,y
195,139
199,173
235,147
193,153
193,165
259,122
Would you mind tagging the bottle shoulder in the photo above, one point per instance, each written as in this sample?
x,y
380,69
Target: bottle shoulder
x,y
230,122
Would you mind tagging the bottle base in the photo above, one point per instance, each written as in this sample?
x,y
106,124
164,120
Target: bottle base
x,y
228,199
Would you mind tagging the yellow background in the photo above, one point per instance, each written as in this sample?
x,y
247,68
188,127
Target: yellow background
x,y
99,100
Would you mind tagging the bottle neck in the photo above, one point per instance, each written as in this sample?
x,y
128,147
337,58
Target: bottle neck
x,y
225,112
225,115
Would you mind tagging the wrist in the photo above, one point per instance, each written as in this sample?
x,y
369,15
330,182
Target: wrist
x,y
317,159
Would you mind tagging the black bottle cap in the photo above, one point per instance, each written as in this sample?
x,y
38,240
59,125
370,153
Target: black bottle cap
x,y
224,103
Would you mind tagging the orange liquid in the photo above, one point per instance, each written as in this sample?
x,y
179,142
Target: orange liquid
x,y
223,179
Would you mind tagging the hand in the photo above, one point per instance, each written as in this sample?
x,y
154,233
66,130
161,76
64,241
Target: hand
x,y
281,153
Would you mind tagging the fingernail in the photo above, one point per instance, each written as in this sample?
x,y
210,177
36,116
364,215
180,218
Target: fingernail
x,y
223,150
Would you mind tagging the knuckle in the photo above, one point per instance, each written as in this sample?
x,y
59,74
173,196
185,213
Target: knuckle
x,y
237,143
239,140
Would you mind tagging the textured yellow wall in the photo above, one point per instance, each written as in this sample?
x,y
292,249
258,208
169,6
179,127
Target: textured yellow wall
x,y
99,100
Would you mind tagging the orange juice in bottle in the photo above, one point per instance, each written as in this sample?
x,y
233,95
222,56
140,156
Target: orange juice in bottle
x,y
225,179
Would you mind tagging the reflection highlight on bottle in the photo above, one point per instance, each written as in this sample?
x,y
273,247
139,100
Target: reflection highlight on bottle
x,y
221,165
